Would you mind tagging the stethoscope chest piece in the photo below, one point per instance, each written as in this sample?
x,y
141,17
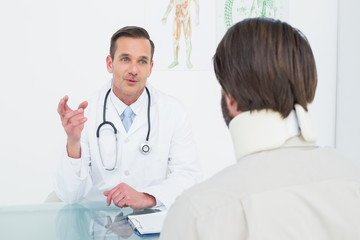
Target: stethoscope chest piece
x,y
145,148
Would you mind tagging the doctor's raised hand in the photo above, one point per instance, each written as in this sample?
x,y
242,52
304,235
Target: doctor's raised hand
x,y
73,123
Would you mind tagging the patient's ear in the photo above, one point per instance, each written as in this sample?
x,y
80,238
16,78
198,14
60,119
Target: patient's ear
x,y
232,105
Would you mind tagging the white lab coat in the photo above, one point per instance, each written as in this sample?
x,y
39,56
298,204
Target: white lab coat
x,y
170,167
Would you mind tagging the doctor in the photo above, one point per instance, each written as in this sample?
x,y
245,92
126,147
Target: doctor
x,y
130,144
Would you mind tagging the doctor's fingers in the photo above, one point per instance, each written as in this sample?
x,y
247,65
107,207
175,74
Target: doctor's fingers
x,y
120,188
83,105
114,193
62,106
70,126
72,116
121,200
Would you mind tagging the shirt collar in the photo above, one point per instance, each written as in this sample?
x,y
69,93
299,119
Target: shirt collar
x,y
265,130
120,106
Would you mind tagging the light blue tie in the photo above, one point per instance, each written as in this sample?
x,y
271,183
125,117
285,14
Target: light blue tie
x,y
127,120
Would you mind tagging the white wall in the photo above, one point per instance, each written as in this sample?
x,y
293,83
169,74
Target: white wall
x,y
50,48
348,86
318,21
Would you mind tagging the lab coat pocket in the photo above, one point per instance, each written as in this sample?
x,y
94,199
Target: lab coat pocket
x,y
156,166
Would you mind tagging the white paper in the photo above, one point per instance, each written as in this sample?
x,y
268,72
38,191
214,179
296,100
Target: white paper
x,y
148,223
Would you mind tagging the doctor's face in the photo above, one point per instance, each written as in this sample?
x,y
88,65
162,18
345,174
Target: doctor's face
x,y
130,67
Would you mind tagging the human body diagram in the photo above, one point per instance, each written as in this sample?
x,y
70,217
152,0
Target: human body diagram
x,y
263,8
181,23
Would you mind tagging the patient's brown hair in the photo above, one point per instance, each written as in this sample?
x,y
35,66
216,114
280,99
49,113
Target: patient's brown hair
x,y
266,64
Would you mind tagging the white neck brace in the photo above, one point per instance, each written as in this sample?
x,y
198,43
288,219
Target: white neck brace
x,y
266,129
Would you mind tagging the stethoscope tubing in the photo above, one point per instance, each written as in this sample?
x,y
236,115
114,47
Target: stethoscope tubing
x,y
144,148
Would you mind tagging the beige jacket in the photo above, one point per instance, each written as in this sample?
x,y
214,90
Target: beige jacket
x,y
282,187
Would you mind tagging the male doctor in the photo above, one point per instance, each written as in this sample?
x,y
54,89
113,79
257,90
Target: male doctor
x,y
133,145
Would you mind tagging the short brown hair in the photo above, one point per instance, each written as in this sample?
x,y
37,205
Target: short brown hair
x,y
266,64
132,32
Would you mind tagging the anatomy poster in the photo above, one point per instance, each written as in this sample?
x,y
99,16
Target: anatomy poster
x,y
183,32
232,11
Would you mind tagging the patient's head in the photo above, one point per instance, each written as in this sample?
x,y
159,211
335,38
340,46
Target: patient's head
x,y
266,64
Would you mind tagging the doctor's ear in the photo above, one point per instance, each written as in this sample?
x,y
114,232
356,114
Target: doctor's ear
x,y
151,66
109,63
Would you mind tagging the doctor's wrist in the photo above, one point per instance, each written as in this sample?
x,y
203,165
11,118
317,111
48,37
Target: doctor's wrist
x,y
73,149
149,200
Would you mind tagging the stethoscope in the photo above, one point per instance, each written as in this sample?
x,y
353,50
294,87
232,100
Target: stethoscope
x,y
144,148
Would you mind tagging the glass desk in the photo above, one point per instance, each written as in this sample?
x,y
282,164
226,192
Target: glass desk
x,y
67,221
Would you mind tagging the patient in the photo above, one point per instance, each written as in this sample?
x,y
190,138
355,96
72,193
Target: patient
x,y
283,186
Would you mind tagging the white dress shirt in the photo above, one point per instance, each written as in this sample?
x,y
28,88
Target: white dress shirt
x,y
171,166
